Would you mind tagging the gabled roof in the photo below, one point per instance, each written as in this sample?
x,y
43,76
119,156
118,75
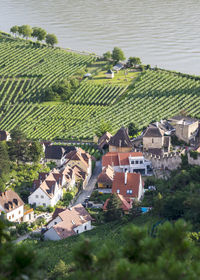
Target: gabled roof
x,y
109,72
71,218
125,204
153,132
57,151
124,157
10,200
120,139
133,183
106,176
104,139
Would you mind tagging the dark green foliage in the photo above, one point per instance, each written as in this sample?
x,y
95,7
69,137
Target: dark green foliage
x,y
114,212
51,39
118,55
14,29
39,33
170,255
60,91
60,271
4,165
132,129
132,61
103,128
194,154
107,55
25,30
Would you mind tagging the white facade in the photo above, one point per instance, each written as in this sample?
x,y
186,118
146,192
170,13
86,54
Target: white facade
x,y
40,198
15,215
141,190
84,227
54,222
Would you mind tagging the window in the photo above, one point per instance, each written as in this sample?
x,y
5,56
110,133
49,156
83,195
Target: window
x,y
42,196
36,196
141,162
29,216
19,211
77,231
9,217
136,162
55,223
129,191
132,162
152,140
12,215
85,227
118,191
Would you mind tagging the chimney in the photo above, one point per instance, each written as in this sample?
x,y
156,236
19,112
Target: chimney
x,y
125,177
120,143
157,124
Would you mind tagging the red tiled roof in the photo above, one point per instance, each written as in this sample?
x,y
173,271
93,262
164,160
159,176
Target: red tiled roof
x,y
126,204
106,176
133,183
116,159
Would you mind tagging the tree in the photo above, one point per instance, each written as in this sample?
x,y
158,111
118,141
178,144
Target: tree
x,y
60,271
25,30
132,129
39,33
14,29
132,61
51,39
4,165
35,151
168,255
114,211
118,55
17,147
103,128
107,55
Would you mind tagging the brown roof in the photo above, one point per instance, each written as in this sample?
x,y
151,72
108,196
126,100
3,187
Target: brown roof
x,y
106,176
57,212
156,151
78,155
71,218
10,200
116,159
133,183
120,139
125,204
104,139
153,132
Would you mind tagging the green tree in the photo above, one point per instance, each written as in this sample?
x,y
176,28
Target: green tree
x,y
35,152
18,148
25,30
60,271
132,129
114,212
4,165
39,33
132,61
107,55
168,255
51,39
103,127
118,55
14,29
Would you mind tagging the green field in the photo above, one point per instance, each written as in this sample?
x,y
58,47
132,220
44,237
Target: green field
x,y
26,69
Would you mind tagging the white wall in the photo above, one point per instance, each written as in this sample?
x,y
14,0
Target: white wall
x,y
81,228
16,214
54,222
51,234
39,201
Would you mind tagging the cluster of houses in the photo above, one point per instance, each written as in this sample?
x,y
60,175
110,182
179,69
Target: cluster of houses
x,y
124,163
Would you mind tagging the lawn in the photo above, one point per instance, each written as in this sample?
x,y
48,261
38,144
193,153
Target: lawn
x,y
119,79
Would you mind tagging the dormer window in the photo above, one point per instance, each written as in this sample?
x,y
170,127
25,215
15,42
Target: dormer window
x,y
118,191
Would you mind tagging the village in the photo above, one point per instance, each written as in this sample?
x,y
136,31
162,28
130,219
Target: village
x,y
121,174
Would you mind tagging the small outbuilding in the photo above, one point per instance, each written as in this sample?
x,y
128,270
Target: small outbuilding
x,y
110,74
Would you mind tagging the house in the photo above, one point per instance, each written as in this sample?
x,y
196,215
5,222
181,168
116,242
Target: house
x,y
120,142
130,185
110,74
186,128
81,159
56,153
105,178
47,190
118,66
12,206
68,222
155,142
28,215
126,203
104,140
4,135
131,162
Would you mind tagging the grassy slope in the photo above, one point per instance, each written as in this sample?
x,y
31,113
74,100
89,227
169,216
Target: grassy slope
x,y
26,69
54,251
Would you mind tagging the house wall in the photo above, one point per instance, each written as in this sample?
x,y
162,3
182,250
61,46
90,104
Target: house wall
x,y
39,198
193,161
153,142
54,222
184,132
51,234
81,228
141,190
104,186
16,214
29,217
119,149
58,195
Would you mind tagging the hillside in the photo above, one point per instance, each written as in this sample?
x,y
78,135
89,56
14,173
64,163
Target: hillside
x,y
26,69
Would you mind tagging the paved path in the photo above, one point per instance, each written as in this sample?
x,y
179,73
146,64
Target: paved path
x,y
90,186
25,236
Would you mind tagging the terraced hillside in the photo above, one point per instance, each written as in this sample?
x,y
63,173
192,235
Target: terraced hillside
x,y
25,69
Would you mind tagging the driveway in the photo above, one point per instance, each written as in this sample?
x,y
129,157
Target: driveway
x,y
90,186
25,236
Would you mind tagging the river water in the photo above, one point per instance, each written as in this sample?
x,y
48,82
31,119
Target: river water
x,y
165,33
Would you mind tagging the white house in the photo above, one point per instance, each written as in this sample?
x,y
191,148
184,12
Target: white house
x,y
131,162
68,222
110,74
12,206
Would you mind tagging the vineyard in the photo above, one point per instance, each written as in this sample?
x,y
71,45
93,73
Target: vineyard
x,y
26,69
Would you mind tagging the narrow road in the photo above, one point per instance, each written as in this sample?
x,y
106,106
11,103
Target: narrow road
x,y
25,236
91,185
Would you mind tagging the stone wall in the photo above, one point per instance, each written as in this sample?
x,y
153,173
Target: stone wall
x,y
194,161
